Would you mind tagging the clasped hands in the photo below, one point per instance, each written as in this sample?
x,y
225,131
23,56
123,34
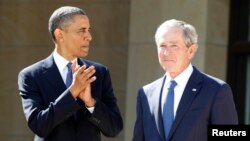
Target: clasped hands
x,y
80,87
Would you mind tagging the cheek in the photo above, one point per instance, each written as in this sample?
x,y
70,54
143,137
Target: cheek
x,y
159,54
158,51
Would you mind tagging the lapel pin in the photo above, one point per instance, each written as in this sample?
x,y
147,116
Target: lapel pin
x,y
194,90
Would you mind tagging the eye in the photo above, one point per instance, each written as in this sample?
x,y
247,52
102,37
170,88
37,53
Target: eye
x,y
162,46
173,45
83,30
80,31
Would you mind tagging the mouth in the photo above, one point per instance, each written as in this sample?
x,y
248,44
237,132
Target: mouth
x,y
169,61
86,46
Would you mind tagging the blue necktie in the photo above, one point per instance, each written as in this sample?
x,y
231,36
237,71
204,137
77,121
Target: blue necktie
x,y
69,76
168,109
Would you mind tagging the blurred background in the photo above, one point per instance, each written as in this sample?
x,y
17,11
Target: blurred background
x,y
123,39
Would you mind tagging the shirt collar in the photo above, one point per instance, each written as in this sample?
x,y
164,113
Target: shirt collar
x,y
60,61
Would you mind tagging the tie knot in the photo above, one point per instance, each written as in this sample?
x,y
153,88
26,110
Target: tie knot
x,y
69,65
69,75
172,84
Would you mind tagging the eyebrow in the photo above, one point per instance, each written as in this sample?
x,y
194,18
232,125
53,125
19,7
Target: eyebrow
x,y
173,42
83,28
170,42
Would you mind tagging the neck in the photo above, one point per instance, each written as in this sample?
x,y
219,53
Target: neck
x,y
64,54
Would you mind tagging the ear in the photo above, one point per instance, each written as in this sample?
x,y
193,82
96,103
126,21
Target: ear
x,y
58,34
192,50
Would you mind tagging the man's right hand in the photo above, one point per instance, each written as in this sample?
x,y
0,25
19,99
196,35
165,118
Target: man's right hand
x,y
82,77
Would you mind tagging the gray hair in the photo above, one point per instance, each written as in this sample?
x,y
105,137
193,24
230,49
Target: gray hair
x,y
61,17
189,33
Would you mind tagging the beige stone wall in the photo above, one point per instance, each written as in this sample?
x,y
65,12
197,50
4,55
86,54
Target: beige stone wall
x,y
217,38
123,39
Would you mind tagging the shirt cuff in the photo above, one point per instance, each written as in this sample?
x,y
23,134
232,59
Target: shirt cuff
x,y
91,109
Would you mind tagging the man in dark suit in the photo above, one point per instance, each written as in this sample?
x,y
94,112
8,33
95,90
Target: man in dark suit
x,y
65,97
180,105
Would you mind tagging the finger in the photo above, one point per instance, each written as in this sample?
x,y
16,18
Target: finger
x,y
87,81
74,64
92,79
89,72
80,69
77,67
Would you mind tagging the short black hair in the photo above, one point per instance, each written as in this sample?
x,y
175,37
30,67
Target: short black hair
x,y
61,17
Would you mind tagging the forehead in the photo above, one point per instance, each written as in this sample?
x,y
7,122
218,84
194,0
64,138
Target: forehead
x,y
170,35
79,21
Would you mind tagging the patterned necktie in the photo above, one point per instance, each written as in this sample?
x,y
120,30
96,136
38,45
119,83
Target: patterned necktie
x,y
168,109
69,76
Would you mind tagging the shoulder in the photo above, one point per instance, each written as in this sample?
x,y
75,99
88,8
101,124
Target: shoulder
x,y
209,79
214,79
101,70
216,84
95,64
37,67
154,84
32,69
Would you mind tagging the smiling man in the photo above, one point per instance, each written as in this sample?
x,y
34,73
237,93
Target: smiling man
x,y
180,105
66,97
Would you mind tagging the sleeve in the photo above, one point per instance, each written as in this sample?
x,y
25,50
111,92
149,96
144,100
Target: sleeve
x,y
224,110
106,115
41,118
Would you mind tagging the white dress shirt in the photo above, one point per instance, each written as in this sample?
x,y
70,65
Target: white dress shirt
x,y
181,81
61,64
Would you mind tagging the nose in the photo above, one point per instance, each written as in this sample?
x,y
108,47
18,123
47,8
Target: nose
x,y
165,51
88,36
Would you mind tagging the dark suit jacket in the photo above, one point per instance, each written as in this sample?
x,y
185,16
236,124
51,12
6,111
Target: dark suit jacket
x,y
54,115
205,100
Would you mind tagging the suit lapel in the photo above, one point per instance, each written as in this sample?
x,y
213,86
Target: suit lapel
x,y
53,76
155,100
82,62
160,120
192,88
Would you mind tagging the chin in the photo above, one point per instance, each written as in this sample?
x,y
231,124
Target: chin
x,y
85,54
